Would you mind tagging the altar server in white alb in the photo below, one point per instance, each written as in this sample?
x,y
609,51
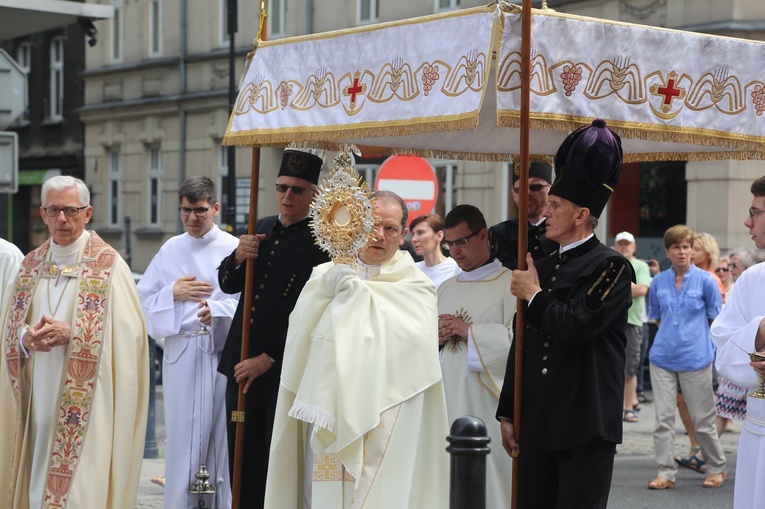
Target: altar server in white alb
x,y
179,293
361,417
74,368
738,330
475,320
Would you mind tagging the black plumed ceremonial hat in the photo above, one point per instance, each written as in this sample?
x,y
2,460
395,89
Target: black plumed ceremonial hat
x,y
588,166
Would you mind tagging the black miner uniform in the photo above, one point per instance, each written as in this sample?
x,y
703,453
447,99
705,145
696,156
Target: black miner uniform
x,y
285,260
503,239
573,383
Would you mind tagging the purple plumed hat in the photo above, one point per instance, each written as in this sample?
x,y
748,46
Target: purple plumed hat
x,y
588,166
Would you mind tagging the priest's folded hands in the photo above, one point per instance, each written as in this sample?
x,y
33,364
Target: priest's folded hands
x,y
46,335
450,326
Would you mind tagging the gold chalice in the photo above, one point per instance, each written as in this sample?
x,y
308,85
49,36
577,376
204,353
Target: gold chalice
x,y
758,393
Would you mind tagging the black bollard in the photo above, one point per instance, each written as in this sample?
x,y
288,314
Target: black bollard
x,y
469,447
150,449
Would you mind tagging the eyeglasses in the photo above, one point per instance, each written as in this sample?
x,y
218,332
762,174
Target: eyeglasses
x,y
68,211
296,190
449,245
722,269
735,265
198,211
754,212
534,188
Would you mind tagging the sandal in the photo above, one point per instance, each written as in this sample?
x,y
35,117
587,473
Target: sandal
x,y
160,481
630,416
692,462
715,480
661,483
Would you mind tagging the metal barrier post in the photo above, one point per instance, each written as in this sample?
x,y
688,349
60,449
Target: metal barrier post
x,y
469,445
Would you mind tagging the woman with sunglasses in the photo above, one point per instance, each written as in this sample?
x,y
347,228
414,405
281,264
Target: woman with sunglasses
x,y
722,271
427,235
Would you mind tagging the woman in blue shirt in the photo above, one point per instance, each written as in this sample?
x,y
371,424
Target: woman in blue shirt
x,y
684,300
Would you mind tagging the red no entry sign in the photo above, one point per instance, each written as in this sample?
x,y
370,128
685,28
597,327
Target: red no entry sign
x,y
412,178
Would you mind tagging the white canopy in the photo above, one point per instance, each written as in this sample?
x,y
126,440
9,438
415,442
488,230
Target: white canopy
x,y
448,86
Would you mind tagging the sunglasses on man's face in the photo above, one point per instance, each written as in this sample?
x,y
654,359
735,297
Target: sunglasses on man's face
x,y
534,188
296,190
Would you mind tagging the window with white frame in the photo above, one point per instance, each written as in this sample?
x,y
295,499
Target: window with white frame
x,y
276,15
115,187
222,182
24,56
56,99
155,28
116,32
447,5
367,11
155,186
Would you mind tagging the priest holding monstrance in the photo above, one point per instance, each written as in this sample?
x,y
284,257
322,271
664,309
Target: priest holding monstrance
x,y
361,417
575,338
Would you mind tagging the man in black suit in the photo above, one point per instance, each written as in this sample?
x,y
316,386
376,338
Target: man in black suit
x,y
503,237
285,254
575,338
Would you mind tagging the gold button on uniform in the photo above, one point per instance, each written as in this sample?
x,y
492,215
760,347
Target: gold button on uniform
x,y
544,358
276,242
547,344
554,278
544,371
257,297
262,286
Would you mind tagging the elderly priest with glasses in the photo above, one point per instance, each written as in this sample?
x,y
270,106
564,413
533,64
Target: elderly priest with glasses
x,y
284,254
74,368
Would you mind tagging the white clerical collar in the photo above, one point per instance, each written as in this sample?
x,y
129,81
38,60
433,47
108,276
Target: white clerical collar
x,y
578,243
541,220
286,225
64,251
366,271
481,273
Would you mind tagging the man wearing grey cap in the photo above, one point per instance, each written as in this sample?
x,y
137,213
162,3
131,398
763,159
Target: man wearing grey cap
x,y
624,242
574,348
503,237
285,254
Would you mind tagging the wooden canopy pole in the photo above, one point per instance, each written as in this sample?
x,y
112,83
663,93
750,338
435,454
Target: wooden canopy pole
x,y
523,231
238,415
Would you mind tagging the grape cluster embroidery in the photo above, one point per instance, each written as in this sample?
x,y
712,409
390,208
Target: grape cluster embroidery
x,y
429,77
284,94
758,97
571,76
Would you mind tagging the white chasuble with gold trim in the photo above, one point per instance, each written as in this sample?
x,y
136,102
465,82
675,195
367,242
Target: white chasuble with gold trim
x,y
78,413
361,383
487,305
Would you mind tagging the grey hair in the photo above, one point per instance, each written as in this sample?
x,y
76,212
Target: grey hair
x,y
62,182
393,198
199,188
747,256
592,222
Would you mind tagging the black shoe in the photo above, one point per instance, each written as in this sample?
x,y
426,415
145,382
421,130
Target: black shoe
x,y
642,398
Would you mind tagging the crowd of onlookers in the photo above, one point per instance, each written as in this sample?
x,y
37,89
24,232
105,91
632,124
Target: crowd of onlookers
x,y
681,304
